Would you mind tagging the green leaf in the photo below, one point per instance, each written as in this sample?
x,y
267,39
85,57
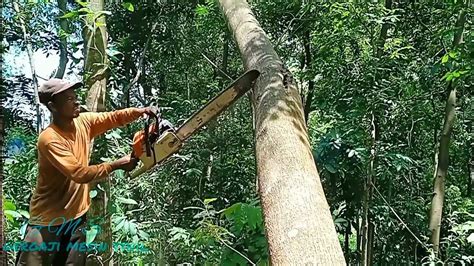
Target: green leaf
x,y
126,201
91,234
144,235
330,168
93,193
236,259
178,234
133,228
201,10
193,171
207,201
120,224
128,6
229,212
13,214
84,4
85,10
8,205
351,153
72,14
126,227
113,135
135,239
254,216
24,214
445,59
452,54
470,238
23,230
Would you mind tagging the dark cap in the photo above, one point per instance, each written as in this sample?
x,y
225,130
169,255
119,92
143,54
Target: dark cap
x,y
54,86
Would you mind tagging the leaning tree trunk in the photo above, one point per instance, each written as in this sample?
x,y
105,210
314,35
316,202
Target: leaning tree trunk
x,y
443,155
441,171
96,70
298,223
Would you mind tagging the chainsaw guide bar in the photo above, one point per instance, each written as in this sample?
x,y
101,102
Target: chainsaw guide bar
x,y
170,142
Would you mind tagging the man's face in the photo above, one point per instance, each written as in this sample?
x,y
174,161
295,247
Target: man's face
x,y
65,104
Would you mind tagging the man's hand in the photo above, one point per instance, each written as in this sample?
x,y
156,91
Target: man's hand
x,y
150,111
126,163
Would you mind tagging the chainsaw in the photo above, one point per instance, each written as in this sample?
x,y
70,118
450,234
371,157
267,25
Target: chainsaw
x,y
158,141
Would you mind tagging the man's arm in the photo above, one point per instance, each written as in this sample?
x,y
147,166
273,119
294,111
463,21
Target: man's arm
x,y
63,160
99,123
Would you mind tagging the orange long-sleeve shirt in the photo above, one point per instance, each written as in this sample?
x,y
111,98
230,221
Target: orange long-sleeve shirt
x,y
62,189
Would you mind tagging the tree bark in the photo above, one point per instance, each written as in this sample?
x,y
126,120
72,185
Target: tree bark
x,y
95,65
383,32
29,50
63,25
367,225
370,246
298,223
441,171
96,72
443,155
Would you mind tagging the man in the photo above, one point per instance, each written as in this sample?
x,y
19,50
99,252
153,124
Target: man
x,y
61,198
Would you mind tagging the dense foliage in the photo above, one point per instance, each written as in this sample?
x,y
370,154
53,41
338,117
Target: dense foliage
x,y
201,206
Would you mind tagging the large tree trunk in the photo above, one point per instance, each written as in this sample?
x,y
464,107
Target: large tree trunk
x,y
443,155
63,25
298,223
96,71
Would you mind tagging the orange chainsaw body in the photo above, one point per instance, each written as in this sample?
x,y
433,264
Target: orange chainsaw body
x,y
139,140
